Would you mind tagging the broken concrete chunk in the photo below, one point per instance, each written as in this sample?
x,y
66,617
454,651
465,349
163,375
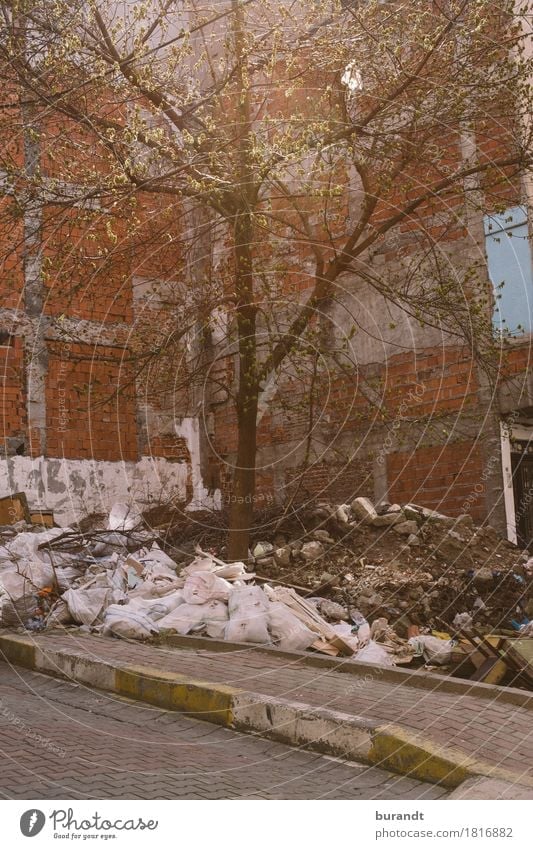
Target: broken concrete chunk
x,y
312,551
323,536
332,610
363,509
483,577
282,556
387,520
406,528
342,513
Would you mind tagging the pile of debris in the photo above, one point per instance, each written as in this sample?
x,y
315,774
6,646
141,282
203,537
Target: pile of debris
x,y
401,583
121,582
410,564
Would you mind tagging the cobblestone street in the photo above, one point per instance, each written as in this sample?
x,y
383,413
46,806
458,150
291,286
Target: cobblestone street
x,y
64,741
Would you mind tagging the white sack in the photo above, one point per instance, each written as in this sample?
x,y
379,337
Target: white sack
x,y
287,630
205,586
123,517
157,608
126,620
157,564
87,605
188,617
18,598
248,609
372,652
59,614
433,649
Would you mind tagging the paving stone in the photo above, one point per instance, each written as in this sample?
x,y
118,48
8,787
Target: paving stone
x,y
138,757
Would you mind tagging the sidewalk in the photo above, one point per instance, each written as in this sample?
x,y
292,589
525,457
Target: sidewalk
x,y
431,729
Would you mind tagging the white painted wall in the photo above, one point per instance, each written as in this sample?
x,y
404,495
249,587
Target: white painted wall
x,y
74,488
202,499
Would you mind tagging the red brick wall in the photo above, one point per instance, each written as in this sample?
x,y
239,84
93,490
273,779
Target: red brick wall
x,y
87,271
79,425
12,403
447,478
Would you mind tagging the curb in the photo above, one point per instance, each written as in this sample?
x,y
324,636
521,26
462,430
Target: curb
x,y
396,675
294,723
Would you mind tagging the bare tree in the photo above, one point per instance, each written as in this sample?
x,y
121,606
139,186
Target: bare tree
x,y
302,137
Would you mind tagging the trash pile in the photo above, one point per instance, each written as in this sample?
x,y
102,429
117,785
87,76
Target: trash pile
x,y
390,584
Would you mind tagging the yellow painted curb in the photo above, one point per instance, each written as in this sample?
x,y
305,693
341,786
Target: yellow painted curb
x,y
395,749
408,754
171,691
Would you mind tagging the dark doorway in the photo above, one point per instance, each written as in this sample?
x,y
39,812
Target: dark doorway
x,y
522,469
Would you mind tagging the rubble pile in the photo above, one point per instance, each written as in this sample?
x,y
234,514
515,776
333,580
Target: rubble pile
x,y
412,565
379,583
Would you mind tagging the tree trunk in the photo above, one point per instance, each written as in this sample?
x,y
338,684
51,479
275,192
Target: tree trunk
x,y
243,492
242,496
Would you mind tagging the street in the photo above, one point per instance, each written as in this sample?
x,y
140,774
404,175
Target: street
x,y
64,741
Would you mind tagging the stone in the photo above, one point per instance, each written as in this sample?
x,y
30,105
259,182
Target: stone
x,y
333,610
427,513
411,513
312,551
413,540
262,549
282,556
482,577
406,528
342,513
363,509
323,536
326,578
387,520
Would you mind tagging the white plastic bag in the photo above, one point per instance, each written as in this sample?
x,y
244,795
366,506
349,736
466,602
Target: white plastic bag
x,y
344,630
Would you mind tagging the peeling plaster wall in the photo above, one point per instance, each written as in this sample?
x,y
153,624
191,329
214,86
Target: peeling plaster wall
x,y
202,498
74,488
